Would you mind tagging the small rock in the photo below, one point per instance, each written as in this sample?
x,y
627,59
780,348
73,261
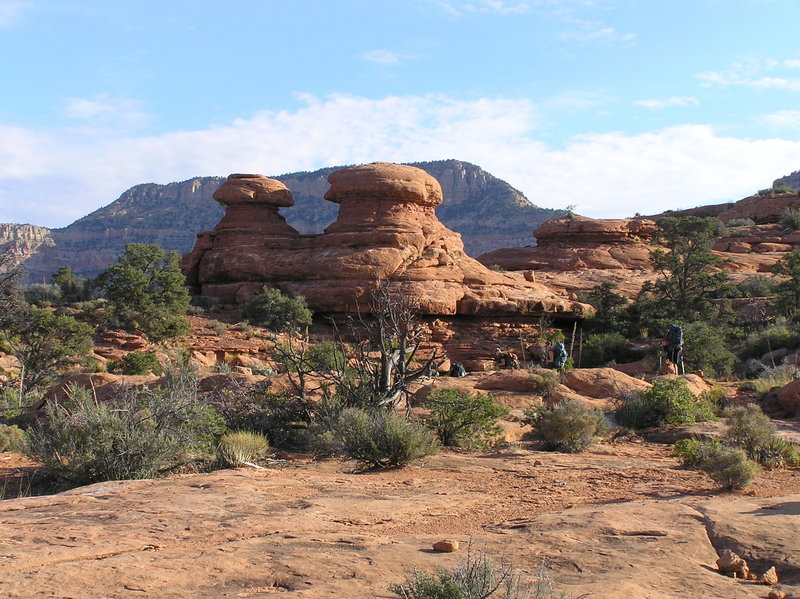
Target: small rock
x,y
447,546
537,462
769,577
776,594
730,562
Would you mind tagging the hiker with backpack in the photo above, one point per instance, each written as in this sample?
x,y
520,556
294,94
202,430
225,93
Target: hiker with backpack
x,y
672,345
559,356
508,360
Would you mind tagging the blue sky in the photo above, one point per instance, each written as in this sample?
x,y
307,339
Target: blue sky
x,y
614,106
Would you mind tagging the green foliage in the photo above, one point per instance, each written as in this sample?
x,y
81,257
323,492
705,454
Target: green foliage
x,y
219,328
12,438
545,381
378,438
688,450
774,377
139,363
41,295
139,434
776,336
461,419
599,350
277,312
326,356
727,466
788,290
706,348
610,306
740,222
756,286
146,291
752,431
477,577
688,277
790,219
283,420
71,288
668,401
46,343
569,426
236,448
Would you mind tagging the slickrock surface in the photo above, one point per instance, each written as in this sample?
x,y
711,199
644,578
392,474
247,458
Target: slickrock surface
x,y
386,230
617,521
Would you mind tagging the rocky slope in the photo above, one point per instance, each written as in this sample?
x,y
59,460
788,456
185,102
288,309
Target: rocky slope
x,y
792,181
24,241
487,211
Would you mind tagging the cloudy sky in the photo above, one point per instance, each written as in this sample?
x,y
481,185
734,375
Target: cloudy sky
x,y
614,106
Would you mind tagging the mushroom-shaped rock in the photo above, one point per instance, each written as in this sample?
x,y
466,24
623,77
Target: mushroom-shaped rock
x,y
386,182
253,189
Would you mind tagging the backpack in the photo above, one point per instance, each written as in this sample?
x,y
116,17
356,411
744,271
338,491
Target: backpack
x,y
457,369
675,335
559,354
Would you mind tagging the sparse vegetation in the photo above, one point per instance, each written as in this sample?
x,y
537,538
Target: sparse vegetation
x,y
668,401
461,419
545,381
140,363
752,431
568,426
727,466
790,219
12,438
277,312
237,448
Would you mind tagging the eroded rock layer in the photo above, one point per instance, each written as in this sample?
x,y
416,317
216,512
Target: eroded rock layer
x,y
387,230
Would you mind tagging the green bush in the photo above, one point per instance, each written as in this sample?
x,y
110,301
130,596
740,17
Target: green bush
x,y
569,426
477,577
545,381
668,401
461,419
777,336
326,356
277,312
236,448
282,419
756,286
752,430
707,348
729,467
12,438
790,219
599,350
378,438
140,363
139,434
740,222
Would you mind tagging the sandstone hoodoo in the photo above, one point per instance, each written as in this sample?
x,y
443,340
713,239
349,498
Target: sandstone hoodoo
x,y
386,231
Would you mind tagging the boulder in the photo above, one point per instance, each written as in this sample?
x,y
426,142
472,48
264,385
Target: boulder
x,y
603,383
789,397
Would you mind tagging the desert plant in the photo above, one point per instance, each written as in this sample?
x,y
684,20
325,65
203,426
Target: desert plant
x,y
478,576
752,430
545,381
461,419
139,363
569,426
727,466
139,434
219,328
599,350
776,336
378,438
277,312
668,401
740,222
770,378
12,438
790,219
238,448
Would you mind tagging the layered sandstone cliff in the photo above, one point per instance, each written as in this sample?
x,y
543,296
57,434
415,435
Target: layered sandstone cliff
x,y
386,231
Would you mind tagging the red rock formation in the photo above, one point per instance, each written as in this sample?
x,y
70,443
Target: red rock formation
x,y
386,230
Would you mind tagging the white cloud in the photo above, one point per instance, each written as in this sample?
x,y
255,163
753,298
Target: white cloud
x,y
590,31
782,120
385,57
104,113
51,178
758,74
11,11
668,102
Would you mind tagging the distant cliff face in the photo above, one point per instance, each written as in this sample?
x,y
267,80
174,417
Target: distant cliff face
x,y
792,181
487,211
23,241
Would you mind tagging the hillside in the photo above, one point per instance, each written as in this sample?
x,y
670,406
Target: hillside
x,y
487,211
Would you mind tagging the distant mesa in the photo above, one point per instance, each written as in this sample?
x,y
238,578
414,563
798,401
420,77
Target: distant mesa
x,y
386,231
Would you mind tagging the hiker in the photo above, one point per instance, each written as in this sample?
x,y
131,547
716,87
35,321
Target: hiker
x,y
559,356
457,369
505,359
672,344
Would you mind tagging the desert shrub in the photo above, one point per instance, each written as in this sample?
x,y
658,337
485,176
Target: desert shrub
x,y
770,378
41,294
140,362
283,420
688,450
461,419
219,328
668,401
202,303
752,430
569,426
236,448
326,356
139,434
740,222
599,350
727,466
707,348
790,219
12,438
478,576
756,286
777,336
378,438
277,312
716,398
545,381
751,369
